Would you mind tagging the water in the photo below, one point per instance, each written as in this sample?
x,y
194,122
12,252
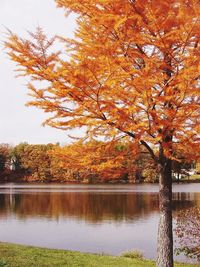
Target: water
x,y
90,218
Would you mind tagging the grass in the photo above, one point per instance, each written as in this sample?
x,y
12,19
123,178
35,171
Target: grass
x,y
133,254
194,177
25,256
3,263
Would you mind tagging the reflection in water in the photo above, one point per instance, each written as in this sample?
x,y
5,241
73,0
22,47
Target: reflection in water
x,y
107,221
94,207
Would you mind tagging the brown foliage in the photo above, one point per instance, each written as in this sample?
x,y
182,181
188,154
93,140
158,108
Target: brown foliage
x,y
188,231
4,155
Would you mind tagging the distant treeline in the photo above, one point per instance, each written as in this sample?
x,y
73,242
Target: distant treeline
x,y
92,162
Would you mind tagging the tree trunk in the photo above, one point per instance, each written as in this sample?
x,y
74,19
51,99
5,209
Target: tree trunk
x,y
165,234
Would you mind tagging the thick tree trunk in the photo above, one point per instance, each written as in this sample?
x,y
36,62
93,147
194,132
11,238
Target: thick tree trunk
x,y
165,234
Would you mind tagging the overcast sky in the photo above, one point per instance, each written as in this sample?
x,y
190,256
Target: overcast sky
x,y
17,122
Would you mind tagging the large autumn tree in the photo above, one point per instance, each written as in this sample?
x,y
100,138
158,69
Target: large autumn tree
x,y
131,70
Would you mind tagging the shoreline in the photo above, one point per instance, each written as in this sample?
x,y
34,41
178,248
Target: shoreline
x,y
19,177
83,183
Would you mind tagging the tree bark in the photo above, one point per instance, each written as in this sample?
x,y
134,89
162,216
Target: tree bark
x,y
165,233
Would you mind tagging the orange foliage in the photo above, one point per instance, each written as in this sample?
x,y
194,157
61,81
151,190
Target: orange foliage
x,y
96,160
133,70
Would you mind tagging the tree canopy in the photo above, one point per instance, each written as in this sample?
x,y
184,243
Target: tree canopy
x,y
133,70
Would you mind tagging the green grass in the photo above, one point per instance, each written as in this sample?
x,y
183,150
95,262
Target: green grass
x,y
133,254
25,256
194,177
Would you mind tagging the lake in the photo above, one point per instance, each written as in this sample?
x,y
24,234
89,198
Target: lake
x,y
89,218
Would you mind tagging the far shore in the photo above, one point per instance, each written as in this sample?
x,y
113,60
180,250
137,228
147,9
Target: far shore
x,y
19,177
188,181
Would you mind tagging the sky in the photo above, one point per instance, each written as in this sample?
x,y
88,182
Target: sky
x,y
19,123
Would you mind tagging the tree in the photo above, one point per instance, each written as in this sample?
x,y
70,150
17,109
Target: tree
x,y
4,156
36,161
16,154
188,232
99,161
33,161
181,169
132,70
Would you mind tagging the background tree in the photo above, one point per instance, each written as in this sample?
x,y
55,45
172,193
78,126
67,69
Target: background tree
x,y
188,231
4,156
181,169
197,167
16,154
132,70
146,167
36,161
99,161
33,161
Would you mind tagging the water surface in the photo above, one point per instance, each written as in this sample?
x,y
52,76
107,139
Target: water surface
x,y
90,218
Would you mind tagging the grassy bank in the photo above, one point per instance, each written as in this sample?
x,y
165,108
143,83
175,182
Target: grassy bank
x,y
24,256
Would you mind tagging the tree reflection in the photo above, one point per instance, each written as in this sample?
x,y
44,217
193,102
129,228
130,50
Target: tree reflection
x,y
88,206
